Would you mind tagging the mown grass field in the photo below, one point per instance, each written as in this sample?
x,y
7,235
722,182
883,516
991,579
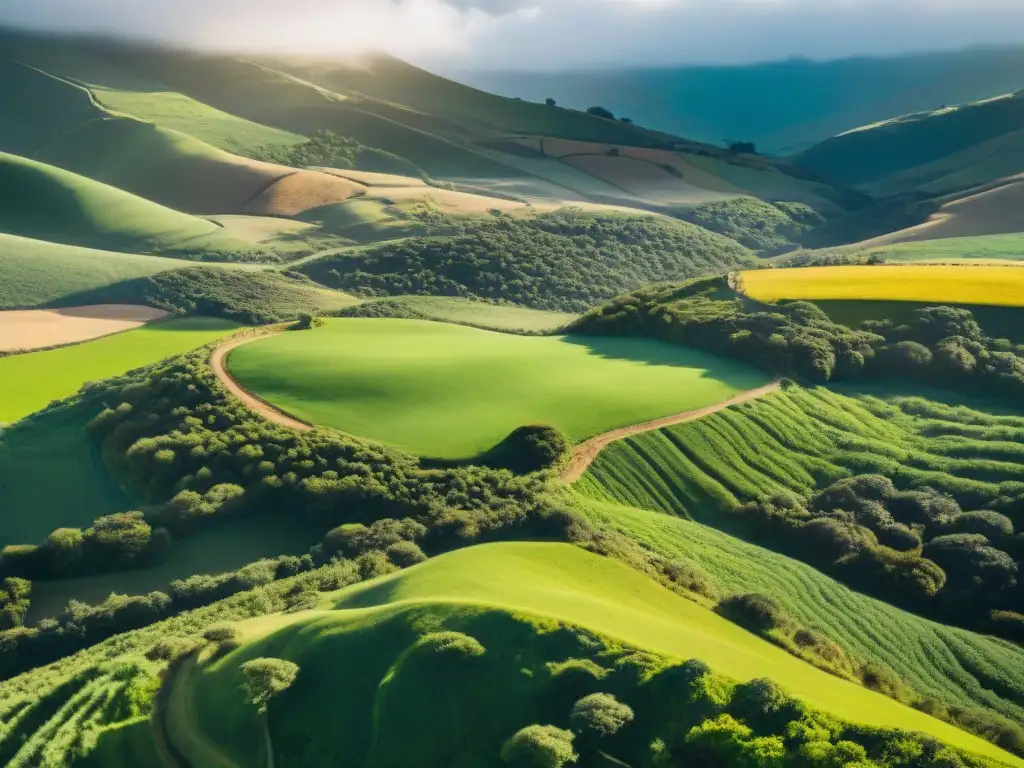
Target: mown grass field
x,y
51,476
474,590
953,665
29,382
987,285
952,249
793,442
452,392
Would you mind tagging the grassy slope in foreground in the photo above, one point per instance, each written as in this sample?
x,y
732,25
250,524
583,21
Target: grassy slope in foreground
x,y
948,284
555,581
452,392
49,203
793,442
29,382
37,273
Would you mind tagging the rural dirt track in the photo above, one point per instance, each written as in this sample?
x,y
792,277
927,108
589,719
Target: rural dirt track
x,y
585,453
266,410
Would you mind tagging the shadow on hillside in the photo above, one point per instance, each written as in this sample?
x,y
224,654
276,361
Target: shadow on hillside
x,y
652,352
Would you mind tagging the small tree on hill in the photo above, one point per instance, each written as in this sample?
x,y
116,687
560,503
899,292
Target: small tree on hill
x,y
266,678
601,112
599,715
539,746
306,321
550,102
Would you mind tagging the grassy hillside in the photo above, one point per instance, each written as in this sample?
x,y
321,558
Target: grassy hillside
x,y
46,106
451,392
48,203
474,591
565,261
953,249
983,284
38,273
33,452
29,382
931,141
162,165
951,665
477,314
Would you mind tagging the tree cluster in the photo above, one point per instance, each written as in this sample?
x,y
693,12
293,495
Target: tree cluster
x,y
329,150
565,260
770,228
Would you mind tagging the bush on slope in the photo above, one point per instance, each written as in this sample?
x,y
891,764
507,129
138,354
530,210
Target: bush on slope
x,y
565,261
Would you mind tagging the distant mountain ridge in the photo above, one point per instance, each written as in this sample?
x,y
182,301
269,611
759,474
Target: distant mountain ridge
x,y
781,106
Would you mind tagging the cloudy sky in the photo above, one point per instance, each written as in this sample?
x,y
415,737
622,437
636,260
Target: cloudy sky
x,y
546,34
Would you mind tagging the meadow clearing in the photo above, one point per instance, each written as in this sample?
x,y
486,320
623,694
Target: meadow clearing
x,y
453,392
983,248
31,381
987,285
475,590
40,328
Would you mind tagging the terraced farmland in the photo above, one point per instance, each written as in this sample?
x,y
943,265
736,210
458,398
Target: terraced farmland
x,y
799,439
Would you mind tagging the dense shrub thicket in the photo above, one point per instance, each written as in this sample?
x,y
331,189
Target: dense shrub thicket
x,y
917,548
769,228
329,150
565,260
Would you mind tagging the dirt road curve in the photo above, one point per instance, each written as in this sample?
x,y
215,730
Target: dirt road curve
x,y
585,453
267,411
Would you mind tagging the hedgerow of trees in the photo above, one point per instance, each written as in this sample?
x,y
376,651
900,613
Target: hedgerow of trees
x,y
329,150
565,260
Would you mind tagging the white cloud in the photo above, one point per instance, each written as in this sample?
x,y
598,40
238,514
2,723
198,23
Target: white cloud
x,y
541,34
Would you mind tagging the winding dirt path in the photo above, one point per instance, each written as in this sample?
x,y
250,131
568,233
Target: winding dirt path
x,y
585,453
265,409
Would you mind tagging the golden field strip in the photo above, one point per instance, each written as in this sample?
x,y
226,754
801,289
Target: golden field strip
x,y
989,284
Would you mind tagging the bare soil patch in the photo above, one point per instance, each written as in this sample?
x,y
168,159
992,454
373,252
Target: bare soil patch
x,y
300,191
25,330
371,179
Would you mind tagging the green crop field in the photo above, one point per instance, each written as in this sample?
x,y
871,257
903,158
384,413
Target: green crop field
x,y
982,248
182,113
49,203
453,392
953,665
38,273
29,382
33,453
800,439
470,590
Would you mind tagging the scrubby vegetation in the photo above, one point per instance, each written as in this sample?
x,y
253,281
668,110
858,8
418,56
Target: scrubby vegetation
x,y
770,228
566,261
325,149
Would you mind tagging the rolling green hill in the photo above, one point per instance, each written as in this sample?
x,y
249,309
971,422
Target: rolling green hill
x,y
553,589
941,150
51,204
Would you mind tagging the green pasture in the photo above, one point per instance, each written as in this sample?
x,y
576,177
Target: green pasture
x,y
37,273
475,590
448,391
48,203
51,475
30,381
982,248
183,113
460,311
